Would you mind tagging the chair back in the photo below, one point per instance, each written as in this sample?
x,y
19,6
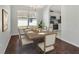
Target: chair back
x,y
50,29
23,38
21,33
50,39
45,28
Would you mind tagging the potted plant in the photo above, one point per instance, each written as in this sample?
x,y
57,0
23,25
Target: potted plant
x,y
41,24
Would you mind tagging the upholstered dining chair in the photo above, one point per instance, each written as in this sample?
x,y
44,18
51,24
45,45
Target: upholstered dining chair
x,y
23,38
45,28
48,44
50,29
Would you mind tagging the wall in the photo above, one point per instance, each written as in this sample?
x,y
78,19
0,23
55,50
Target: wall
x,y
40,15
46,16
14,28
70,24
4,36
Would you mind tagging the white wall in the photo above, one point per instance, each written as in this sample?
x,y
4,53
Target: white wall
x,y
46,16
14,28
40,15
70,24
4,36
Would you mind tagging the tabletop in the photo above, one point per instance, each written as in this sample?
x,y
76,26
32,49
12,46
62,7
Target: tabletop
x,y
36,33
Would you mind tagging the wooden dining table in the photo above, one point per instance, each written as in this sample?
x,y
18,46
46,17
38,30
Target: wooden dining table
x,y
35,34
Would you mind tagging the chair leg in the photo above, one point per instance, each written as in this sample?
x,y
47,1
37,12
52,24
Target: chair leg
x,y
44,49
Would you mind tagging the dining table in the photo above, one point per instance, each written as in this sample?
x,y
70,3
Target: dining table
x,y
36,34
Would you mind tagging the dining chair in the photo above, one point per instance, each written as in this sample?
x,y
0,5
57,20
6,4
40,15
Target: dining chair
x,y
50,29
45,28
23,38
48,44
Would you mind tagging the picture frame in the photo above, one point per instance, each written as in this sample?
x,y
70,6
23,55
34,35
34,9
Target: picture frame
x,y
4,20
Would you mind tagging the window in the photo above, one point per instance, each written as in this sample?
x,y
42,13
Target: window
x,y
26,18
22,22
33,22
27,22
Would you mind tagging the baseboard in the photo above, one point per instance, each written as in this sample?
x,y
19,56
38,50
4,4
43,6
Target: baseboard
x,y
68,42
14,34
7,44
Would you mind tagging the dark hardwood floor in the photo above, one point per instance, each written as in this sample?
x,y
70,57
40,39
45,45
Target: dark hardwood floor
x,y
61,47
